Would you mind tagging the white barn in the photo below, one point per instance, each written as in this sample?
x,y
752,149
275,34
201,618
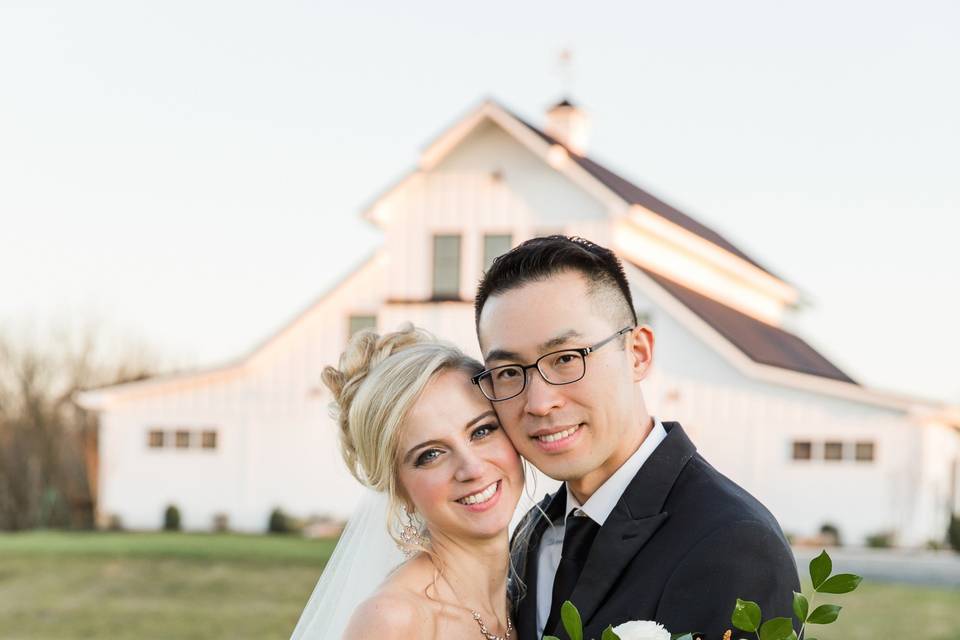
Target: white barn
x,y
763,406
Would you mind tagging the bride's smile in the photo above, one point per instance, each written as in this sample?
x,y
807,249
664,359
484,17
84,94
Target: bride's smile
x,y
480,501
459,470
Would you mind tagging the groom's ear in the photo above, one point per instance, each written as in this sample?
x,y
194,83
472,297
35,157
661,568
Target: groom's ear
x,y
639,347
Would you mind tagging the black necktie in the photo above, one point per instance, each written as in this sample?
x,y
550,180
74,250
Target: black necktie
x,y
577,538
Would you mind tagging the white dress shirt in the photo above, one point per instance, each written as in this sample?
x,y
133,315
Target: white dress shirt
x,y
598,508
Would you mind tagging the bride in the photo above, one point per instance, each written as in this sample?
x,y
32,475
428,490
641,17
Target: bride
x,y
445,481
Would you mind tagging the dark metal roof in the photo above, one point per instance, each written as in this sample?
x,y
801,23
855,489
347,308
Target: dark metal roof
x,y
635,195
758,340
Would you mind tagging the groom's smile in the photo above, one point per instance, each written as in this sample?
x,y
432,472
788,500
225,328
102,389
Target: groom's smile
x,y
557,439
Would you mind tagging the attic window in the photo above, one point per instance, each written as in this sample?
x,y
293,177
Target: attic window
x,y
495,245
359,322
446,267
182,439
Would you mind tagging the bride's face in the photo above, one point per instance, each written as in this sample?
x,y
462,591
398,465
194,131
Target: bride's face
x,y
457,465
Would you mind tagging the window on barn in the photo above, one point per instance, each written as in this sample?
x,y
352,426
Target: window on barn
x,y
864,452
208,439
182,440
359,322
155,439
833,451
802,450
446,267
495,245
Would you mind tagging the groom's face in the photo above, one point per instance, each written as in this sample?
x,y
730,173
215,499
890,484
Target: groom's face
x,y
572,431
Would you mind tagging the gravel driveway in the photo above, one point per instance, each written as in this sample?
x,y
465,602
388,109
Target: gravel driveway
x,y
930,568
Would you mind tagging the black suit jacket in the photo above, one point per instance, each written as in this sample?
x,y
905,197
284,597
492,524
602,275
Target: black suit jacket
x,y
681,545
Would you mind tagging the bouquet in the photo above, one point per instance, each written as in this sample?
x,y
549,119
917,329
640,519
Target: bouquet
x,y
746,615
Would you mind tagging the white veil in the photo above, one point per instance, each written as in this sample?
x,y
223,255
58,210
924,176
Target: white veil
x,y
364,557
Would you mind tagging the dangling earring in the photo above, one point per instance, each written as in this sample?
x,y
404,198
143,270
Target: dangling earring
x,y
410,534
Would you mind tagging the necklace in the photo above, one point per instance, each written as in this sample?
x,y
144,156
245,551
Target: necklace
x,y
476,616
486,634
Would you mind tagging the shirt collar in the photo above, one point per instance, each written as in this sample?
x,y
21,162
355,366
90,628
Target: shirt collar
x,y
604,499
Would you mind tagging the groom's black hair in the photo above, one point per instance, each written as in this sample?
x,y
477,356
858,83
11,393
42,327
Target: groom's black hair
x,y
540,258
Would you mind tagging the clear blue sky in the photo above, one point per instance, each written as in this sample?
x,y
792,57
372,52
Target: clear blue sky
x,y
191,172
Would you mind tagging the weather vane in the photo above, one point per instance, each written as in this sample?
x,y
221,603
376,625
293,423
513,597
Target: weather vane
x,y
565,67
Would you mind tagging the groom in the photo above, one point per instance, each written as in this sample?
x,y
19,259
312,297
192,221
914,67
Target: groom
x,y
643,528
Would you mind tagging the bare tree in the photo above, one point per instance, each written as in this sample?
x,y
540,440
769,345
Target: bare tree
x,y
48,443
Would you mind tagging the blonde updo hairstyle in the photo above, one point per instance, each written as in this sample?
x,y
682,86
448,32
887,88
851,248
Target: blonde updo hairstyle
x,y
377,382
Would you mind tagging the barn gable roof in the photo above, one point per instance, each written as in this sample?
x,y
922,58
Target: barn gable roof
x,y
632,194
761,342
97,399
776,349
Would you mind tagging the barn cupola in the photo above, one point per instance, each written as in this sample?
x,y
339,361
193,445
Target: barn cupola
x,y
570,125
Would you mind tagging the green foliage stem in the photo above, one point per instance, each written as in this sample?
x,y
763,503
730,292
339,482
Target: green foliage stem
x,y
823,582
570,617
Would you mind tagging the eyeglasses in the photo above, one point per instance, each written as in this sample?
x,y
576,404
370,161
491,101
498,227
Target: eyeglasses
x,y
557,367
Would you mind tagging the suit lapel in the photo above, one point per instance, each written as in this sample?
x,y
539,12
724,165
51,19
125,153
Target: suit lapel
x,y
528,556
631,524
613,549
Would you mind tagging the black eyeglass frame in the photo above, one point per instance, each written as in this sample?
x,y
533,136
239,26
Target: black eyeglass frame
x,y
583,351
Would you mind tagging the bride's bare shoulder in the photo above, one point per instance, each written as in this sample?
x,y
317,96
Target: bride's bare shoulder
x,y
391,613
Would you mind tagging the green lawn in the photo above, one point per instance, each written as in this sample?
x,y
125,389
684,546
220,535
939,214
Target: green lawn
x,y
92,585
127,585
890,611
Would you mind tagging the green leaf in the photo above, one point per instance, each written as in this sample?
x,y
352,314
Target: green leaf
x,y
746,615
820,568
571,620
800,606
550,638
840,583
776,629
824,614
609,634
682,636
792,636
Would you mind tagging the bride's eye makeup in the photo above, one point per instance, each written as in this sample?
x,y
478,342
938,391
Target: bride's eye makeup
x,y
426,457
484,431
429,455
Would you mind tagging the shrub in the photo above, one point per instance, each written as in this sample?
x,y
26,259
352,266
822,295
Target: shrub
x,y
279,522
953,532
221,522
113,522
171,519
831,534
881,540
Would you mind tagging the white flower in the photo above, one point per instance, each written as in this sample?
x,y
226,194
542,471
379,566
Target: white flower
x,y
641,630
